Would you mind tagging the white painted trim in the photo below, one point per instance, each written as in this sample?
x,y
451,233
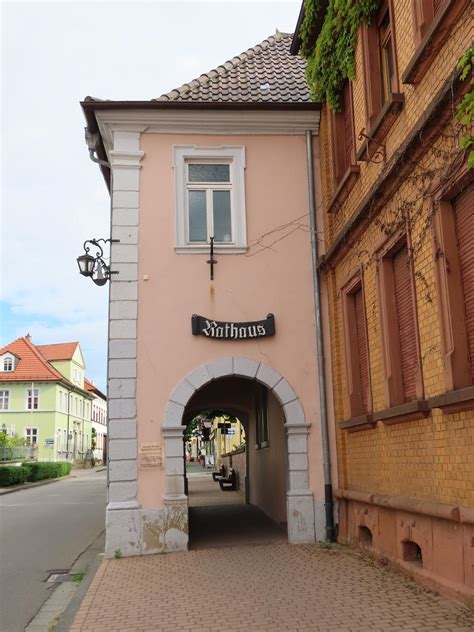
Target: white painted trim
x,y
217,122
231,154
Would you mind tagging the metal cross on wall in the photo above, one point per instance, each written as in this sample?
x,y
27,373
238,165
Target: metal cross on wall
x,y
212,261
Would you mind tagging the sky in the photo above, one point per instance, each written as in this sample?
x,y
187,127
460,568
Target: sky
x,y
52,197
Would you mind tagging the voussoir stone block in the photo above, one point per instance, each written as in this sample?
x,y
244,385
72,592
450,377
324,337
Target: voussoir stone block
x,y
221,367
125,216
246,367
183,392
124,253
173,414
199,376
297,461
284,392
294,413
268,376
125,179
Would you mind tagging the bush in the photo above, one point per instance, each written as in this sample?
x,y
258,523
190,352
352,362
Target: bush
x,y
11,475
37,471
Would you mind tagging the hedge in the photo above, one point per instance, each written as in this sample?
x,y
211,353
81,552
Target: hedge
x,y
11,475
38,470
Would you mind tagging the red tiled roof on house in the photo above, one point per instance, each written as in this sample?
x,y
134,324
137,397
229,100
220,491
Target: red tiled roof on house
x,y
92,388
60,351
32,364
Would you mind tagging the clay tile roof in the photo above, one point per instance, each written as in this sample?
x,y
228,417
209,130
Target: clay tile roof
x,y
32,364
92,388
60,351
265,73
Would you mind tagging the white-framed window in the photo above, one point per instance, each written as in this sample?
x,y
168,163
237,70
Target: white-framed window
x,y
32,398
8,364
58,442
31,436
4,399
210,198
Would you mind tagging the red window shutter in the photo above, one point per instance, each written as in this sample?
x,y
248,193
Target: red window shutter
x,y
348,130
361,332
437,4
464,216
406,322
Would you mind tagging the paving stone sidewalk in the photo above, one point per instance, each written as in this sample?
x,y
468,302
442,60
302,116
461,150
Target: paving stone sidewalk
x,y
269,587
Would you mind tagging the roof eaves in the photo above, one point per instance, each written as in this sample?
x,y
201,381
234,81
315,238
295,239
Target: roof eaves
x,y
318,25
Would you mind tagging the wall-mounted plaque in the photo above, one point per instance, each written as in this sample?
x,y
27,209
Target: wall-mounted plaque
x,y
221,330
151,455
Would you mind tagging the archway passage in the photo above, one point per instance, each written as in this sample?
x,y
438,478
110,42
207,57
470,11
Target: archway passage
x,y
241,498
276,477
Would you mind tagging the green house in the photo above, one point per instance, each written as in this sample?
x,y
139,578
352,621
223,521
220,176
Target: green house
x,y
43,398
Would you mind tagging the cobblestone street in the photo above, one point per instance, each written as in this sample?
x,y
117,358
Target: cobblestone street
x,y
265,587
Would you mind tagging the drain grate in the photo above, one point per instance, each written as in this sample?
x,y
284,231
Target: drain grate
x,y
59,577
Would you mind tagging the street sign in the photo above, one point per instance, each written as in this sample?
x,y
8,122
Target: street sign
x,y
231,432
224,425
49,442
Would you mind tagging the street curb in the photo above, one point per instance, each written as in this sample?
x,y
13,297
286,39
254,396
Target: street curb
x,y
4,491
20,488
91,558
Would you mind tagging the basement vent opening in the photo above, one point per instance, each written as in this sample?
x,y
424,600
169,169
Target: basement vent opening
x,y
365,536
412,553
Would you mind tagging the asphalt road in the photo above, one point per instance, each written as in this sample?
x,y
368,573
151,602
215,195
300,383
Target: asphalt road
x,y
43,529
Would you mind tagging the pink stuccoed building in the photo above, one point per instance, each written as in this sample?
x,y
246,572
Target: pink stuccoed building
x,y
232,155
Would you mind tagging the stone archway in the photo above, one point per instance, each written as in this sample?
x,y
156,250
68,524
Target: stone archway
x,y
300,503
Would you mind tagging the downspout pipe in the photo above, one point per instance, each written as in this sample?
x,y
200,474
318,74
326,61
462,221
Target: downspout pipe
x,y
328,500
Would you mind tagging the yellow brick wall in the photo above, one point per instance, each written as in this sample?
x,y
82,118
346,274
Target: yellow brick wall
x,y
432,458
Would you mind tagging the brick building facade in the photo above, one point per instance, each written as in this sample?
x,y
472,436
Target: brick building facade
x,y
397,205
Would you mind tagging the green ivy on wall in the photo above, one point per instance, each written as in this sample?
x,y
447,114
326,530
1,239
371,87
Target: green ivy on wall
x,y
332,59
465,109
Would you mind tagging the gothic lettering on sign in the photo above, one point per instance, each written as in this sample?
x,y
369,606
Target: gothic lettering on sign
x,y
217,329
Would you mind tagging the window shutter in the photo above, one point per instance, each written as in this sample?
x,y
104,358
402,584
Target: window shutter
x,y
348,131
361,332
464,217
437,4
406,322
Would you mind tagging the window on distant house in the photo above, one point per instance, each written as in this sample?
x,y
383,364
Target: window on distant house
x,y
343,135
454,230
399,325
31,435
4,400
424,12
210,197
261,417
32,398
356,348
380,72
8,364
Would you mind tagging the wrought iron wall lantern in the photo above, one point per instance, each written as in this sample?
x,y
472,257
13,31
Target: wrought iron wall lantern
x,y
95,266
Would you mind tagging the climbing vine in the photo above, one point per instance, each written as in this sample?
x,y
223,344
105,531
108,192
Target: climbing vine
x,y
331,59
465,109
